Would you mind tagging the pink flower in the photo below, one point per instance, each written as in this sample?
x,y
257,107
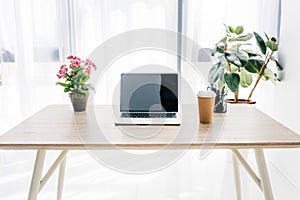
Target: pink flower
x,y
70,57
62,72
59,76
88,70
93,65
74,61
89,63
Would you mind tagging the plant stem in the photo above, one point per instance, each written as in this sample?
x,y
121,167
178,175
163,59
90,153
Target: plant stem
x,y
236,96
229,68
262,70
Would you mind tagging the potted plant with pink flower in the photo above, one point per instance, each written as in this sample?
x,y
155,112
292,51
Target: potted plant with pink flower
x,y
74,76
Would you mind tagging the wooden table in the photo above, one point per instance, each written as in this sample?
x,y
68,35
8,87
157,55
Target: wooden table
x,y
57,127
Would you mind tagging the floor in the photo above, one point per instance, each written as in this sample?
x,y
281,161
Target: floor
x,y
187,179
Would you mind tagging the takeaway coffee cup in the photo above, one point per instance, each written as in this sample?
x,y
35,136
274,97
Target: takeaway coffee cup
x,y
206,102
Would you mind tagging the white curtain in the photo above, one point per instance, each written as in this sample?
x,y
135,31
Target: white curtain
x,y
29,43
204,20
96,21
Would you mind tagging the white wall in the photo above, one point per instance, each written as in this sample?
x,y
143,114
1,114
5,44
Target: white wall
x,y
281,101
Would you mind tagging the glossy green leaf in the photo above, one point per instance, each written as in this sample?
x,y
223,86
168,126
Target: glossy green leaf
x,y
232,80
272,45
238,58
239,30
261,43
242,38
251,54
254,66
246,78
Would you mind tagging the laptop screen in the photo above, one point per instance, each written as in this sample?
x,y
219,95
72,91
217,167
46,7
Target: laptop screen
x,y
149,92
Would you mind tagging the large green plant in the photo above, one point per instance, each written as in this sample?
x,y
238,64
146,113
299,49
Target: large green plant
x,y
239,61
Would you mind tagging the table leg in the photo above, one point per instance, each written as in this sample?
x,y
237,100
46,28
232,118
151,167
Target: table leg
x,y
61,178
263,172
237,179
37,173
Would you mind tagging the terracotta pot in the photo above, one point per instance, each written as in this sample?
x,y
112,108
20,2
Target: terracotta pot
x,y
241,101
79,104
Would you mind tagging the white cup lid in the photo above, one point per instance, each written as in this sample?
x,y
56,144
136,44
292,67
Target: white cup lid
x,y
206,93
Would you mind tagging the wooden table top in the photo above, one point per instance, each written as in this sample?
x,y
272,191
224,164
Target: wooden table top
x,y
58,127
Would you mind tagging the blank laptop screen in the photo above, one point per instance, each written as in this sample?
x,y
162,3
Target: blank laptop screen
x,y
149,92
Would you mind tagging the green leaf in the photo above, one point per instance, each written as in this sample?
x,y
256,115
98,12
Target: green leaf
x,y
63,84
213,74
223,40
220,85
90,86
213,51
246,78
84,86
251,54
238,58
254,66
231,29
261,43
269,75
82,91
232,80
221,76
242,38
272,45
278,66
85,78
234,48
67,90
220,49
239,30
268,38
234,68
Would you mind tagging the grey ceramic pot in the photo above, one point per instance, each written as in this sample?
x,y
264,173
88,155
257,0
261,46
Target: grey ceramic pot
x,y
79,104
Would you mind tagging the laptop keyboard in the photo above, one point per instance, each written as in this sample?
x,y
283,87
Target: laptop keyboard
x,y
148,115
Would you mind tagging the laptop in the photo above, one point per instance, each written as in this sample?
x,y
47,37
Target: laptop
x,y
149,99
